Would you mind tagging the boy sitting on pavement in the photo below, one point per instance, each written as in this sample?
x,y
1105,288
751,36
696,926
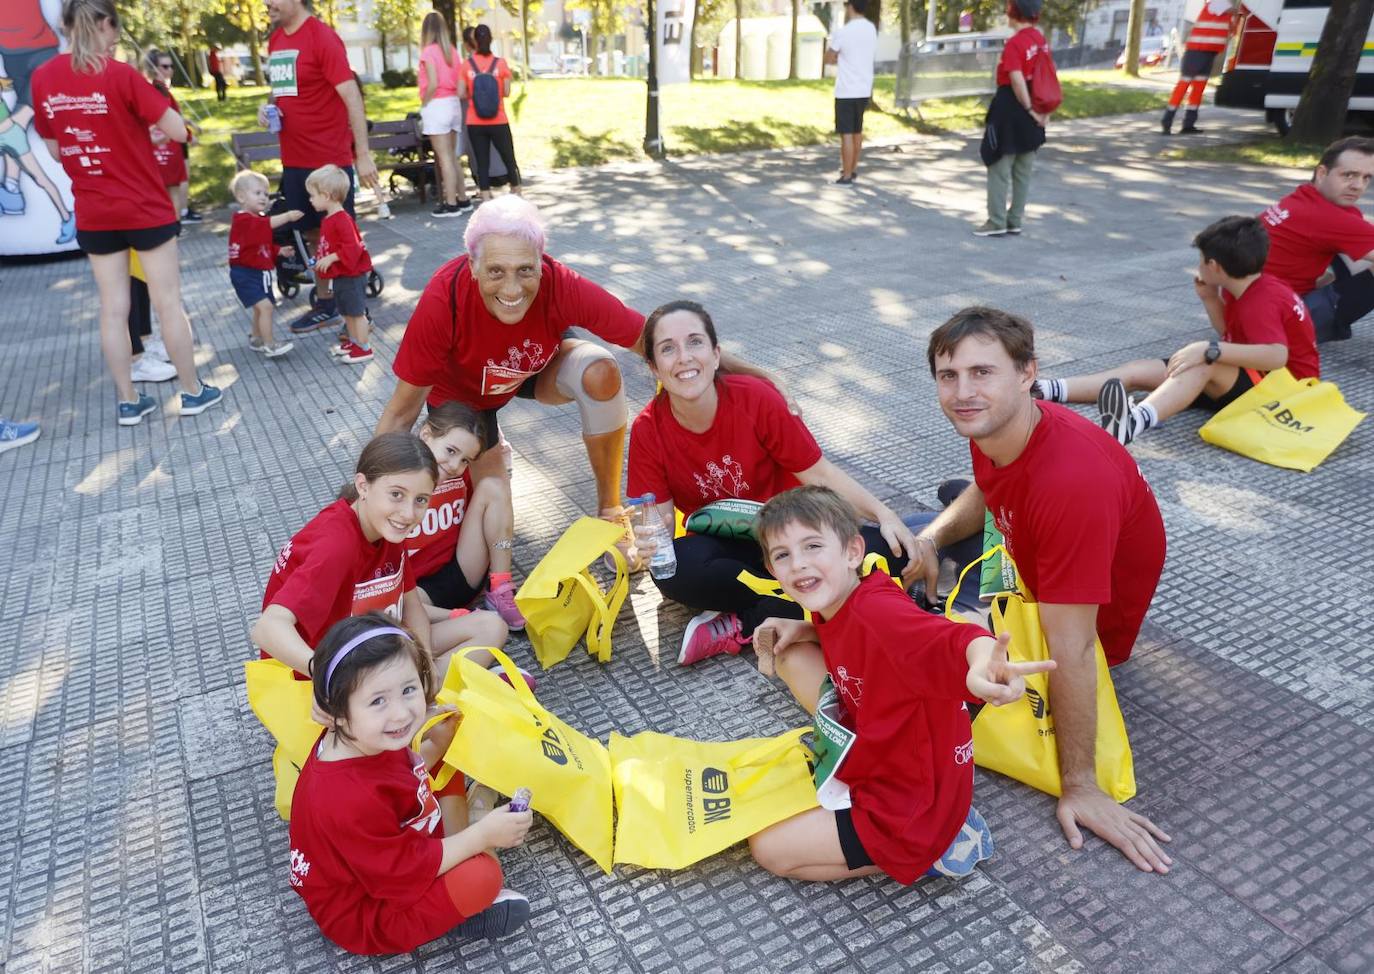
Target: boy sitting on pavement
x,y
1262,325
903,676
253,255
343,261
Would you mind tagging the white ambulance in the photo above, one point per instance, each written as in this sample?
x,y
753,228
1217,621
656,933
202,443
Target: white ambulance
x,y
1271,54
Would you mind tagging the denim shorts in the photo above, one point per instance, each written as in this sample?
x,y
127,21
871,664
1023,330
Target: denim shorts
x,y
251,285
350,295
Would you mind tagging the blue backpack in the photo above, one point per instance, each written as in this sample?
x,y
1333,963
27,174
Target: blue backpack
x,y
486,90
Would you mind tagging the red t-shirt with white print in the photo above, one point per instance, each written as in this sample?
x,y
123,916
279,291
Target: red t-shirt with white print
x,y
460,349
901,675
431,543
1307,231
1020,51
250,241
1081,523
305,70
339,235
1269,313
366,844
753,450
329,571
100,123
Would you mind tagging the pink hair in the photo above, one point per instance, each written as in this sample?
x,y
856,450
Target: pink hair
x,y
506,216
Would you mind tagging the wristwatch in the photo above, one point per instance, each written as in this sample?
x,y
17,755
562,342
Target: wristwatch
x,y
1213,352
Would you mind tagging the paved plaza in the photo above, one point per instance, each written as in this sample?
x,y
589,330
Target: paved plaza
x,y
137,831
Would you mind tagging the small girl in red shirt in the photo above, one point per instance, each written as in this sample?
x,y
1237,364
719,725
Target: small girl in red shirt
x,y
342,260
382,864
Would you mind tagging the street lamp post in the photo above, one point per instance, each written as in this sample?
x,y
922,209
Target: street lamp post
x,y
653,142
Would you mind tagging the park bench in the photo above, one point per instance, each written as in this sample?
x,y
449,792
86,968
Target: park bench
x,y
404,151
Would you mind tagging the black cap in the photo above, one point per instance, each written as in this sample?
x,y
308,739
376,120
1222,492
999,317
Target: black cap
x,y
1030,9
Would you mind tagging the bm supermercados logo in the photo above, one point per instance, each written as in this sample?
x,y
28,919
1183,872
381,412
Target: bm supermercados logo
x,y
714,790
1040,709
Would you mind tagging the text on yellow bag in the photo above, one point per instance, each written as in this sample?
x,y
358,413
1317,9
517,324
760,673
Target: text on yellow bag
x,y
1284,422
681,801
1018,740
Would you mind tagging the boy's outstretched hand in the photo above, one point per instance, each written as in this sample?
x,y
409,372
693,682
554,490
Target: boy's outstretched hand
x,y
993,677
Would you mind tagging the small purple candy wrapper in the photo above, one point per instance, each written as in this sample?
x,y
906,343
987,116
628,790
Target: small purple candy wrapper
x,y
520,801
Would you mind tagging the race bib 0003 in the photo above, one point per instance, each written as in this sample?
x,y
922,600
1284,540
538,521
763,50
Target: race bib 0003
x,y
281,73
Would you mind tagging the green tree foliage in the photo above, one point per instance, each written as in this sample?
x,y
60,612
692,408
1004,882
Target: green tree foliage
x,y
607,20
395,22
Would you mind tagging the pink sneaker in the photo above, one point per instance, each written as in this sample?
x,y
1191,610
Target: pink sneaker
x,y
524,673
711,634
502,602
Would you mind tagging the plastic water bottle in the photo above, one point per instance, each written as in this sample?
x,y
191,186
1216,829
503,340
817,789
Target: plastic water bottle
x,y
273,114
663,563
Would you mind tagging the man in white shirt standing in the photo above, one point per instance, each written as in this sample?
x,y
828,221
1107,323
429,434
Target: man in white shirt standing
x,y
853,48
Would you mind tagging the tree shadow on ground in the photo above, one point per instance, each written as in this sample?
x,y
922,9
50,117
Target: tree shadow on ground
x,y
767,133
580,148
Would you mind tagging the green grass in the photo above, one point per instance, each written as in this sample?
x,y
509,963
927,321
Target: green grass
x,y
1271,151
591,121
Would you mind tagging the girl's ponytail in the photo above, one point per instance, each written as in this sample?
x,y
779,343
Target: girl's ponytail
x,y
81,24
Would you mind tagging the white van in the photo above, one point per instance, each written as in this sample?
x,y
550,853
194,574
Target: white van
x,y
991,40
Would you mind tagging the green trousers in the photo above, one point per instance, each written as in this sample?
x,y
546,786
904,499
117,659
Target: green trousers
x,y
1016,172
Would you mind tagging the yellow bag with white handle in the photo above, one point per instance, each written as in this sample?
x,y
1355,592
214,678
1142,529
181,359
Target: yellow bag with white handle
x,y
1284,422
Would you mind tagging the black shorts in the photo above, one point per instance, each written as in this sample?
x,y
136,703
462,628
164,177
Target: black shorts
x,y
1197,64
449,589
297,197
102,242
493,429
855,855
849,115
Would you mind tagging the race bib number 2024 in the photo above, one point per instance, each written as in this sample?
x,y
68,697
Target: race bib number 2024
x,y
281,73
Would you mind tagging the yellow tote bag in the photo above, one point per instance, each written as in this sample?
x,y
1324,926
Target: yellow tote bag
x,y
1284,422
1018,740
507,740
681,801
562,602
283,704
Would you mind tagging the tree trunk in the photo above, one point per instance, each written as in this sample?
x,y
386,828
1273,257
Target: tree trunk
x,y
694,61
796,14
593,41
739,39
256,43
381,42
446,10
1321,112
904,23
1133,29
525,41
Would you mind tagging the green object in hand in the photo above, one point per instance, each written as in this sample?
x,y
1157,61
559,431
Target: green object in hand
x,y
728,518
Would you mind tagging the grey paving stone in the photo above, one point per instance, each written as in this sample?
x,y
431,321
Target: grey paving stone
x,y
1348,949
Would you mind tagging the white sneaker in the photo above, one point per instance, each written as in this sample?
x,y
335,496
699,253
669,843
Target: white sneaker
x,y
155,348
148,369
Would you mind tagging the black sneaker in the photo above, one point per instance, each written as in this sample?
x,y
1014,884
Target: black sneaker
x,y
1114,404
507,914
313,321
191,216
445,209
463,204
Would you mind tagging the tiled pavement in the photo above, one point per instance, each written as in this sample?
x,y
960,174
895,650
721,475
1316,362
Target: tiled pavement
x,y
136,822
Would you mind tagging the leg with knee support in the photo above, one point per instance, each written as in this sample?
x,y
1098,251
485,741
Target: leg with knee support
x,y
588,375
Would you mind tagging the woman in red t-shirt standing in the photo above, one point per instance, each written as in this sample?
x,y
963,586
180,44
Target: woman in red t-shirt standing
x,y
1013,130
172,158
488,130
94,114
708,436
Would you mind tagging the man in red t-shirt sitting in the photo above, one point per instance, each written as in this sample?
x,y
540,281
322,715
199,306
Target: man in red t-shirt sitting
x,y
1312,227
1082,526
1261,325
320,107
493,325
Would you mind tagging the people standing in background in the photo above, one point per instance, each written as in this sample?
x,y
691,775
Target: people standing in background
x,y
1206,40
852,49
484,79
212,64
441,113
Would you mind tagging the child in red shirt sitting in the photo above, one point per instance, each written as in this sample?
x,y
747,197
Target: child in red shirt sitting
x,y
902,677
343,261
382,864
1261,325
253,255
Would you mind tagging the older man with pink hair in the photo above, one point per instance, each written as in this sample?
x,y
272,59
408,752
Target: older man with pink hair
x,y
493,324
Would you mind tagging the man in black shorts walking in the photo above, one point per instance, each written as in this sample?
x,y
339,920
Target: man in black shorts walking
x,y
852,49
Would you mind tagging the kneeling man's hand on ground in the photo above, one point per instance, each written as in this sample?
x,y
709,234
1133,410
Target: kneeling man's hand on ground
x,y
1088,806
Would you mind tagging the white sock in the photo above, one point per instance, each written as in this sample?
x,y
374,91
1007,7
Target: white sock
x,y
12,185
1143,417
1052,390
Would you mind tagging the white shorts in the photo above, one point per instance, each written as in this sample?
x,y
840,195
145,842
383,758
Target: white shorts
x,y
441,116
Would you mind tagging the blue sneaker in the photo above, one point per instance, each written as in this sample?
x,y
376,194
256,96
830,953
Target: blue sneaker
x,y
971,846
315,320
132,413
16,434
201,401
11,202
68,232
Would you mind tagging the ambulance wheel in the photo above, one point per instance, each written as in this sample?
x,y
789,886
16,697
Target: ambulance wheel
x,y
1281,119
374,284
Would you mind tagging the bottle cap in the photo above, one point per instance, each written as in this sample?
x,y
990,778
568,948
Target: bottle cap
x,y
648,498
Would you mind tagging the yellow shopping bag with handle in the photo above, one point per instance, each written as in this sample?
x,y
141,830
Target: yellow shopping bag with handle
x,y
1284,422
562,602
283,704
1018,740
681,801
507,740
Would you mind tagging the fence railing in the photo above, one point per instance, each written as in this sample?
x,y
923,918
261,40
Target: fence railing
x,y
966,74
